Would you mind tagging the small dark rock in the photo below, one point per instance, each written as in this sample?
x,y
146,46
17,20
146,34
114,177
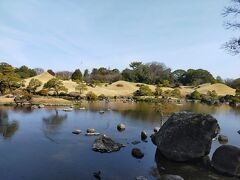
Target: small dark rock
x,y
90,130
170,177
77,131
136,142
92,134
97,175
222,139
105,144
153,138
156,129
239,132
137,153
226,159
34,107
144,135
121,127
101,112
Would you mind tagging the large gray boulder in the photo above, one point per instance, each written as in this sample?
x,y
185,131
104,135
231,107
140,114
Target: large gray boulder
x,y
105,144
186,136
226,159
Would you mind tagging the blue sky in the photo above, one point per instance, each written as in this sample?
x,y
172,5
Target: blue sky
x,y
70,34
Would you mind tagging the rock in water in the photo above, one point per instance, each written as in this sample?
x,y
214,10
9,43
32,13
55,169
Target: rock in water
x,y
141,178
41,106
121,127
78,131
170,177
226,159
92,134
144,135
153,138
97,175
137,153
186,136
222,139
90,130
105,144
156,129
136,142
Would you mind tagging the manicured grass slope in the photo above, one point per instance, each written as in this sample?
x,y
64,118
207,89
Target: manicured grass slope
x,y
124,88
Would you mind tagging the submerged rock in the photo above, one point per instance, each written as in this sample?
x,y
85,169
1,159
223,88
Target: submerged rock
x,y
105,144
92,134
136,142
170,177
121,127
137,153
186,136
141,178
68,109
226,159
34,107
222,139
97,175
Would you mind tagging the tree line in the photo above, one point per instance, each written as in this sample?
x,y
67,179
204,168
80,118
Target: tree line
x,y
156,73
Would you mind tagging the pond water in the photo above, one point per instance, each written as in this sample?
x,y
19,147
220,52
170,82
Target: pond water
x,y
39,144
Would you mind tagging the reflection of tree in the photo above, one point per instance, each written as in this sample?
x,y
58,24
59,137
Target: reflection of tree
x,y
52,123
25,109
7,129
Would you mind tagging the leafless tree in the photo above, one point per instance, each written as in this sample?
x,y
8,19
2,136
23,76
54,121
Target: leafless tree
x,y
232,15
38,70
64,75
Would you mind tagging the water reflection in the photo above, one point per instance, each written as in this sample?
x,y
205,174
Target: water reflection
x,y
52,123
7,129
198,170
25,109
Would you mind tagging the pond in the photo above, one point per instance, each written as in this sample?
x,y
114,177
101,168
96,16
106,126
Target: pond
x,y
39,144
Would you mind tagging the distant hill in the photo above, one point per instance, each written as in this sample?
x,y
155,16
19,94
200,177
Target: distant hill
x,y
44,77
221,89
124,88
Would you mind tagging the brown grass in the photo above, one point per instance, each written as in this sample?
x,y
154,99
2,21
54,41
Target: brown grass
x,y
127,88
221,89
49,100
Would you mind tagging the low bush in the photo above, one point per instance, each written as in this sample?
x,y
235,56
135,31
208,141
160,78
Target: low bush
x,y
91,96
119,85
43,92
144,90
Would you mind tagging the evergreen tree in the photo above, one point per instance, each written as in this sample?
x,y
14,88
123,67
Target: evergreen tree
x,y
77,75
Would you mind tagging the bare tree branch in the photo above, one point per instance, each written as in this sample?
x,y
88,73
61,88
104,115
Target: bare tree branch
x,y
233,46
232,25
232,11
